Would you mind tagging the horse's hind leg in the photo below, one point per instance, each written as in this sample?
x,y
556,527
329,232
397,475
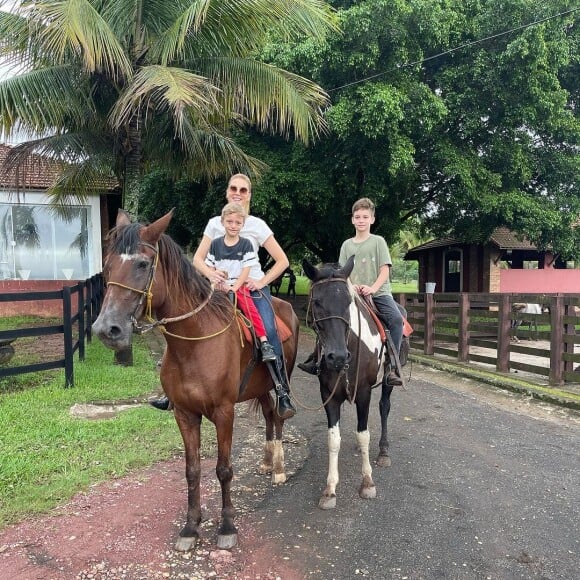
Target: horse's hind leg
x,y
273,461
189,425
224,423
383,460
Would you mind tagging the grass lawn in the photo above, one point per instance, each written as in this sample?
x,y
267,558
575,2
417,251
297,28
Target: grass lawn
x,y
47,455
303,284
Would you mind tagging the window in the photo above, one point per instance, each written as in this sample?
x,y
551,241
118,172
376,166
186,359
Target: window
x,y
36,244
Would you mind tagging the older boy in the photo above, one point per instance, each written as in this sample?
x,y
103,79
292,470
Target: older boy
x,y
370,275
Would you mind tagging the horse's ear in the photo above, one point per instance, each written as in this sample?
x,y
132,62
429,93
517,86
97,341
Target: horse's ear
x,y
347,268
310,270
123,218
153,232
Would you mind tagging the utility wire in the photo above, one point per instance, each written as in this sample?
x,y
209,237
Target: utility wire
x,y
471,43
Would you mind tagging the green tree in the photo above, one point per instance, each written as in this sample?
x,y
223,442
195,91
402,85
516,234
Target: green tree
x,y
465,140
112,87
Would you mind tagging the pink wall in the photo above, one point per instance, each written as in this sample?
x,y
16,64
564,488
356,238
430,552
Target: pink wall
x,y
537,281
34,307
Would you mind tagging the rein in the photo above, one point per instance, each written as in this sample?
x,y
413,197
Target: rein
x,y
147,294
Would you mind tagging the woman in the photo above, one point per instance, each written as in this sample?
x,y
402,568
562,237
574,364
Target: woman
x,y
259,233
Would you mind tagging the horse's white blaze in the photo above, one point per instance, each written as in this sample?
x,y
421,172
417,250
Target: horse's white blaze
x,y
363,439
333,451
128,257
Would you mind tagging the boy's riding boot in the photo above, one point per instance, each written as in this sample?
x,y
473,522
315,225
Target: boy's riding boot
x,y
310,365
284,406
394,380
163,403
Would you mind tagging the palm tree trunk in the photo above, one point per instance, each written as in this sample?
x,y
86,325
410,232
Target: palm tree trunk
x,y
132,185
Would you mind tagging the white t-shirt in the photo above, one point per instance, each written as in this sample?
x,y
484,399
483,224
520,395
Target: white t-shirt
x,y
255,229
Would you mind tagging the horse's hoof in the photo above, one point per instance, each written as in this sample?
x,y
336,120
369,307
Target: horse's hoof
x,y
227,541
327,502
186,543
278,478
366,492
384,461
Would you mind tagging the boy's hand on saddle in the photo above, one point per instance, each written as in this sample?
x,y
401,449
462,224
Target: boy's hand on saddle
x,y
364,290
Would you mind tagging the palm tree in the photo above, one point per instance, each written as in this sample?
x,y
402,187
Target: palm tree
x,y
108,87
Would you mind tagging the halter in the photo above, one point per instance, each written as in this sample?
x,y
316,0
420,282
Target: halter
x,y
315,322
147,294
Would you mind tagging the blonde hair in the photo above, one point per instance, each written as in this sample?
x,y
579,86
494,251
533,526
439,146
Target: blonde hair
x,y
363,203
234,208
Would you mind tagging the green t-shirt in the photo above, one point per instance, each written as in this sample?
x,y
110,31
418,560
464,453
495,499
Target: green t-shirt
x,y
369,256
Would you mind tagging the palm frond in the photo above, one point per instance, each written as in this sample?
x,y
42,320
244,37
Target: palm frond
x,y
212,28
269,98
76,25
158,89
42,100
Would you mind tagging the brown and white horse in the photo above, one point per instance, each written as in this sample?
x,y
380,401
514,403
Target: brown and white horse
x,y
204,369
352,363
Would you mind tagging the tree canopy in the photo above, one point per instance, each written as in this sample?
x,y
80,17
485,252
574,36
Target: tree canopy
x,y
460,113
110,87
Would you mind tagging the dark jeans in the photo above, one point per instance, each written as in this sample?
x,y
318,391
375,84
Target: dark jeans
x,y
263,301
392,314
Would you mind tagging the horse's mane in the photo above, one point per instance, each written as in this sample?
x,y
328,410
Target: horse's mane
x,y
181,278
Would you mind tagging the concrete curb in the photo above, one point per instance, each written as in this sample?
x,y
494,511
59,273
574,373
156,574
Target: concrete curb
x,y
553,395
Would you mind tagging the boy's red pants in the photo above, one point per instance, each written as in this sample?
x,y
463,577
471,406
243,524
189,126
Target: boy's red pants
x,y
247,306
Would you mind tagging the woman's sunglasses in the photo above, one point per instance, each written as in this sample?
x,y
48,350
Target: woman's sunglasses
x,y
235,189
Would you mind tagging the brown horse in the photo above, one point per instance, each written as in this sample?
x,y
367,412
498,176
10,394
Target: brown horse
x,y
207,366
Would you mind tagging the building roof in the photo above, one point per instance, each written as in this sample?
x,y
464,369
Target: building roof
x,y
502,238
37,173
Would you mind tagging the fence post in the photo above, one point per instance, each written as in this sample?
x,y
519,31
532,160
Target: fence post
x,y
503,334
68,342
463,345
556,340
81,317
569,332
429,320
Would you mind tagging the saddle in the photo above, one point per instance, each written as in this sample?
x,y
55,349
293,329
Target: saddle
x,y
369,302
403,354
284,333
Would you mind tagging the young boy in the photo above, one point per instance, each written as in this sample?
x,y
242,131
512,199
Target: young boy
x,y
370,275
235,256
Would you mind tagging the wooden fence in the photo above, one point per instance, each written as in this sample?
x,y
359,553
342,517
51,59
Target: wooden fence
x,y
479,328
75,327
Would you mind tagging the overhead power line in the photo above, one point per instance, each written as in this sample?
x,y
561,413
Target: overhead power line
x,y
462,46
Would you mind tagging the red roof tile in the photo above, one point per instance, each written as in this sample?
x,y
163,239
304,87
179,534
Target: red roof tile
x,y
37,173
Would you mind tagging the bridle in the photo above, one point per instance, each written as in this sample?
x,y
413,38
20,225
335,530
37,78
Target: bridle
x,y
315,325
147,294
310,311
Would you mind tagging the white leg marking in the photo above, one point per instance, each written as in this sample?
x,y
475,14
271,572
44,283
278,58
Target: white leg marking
x,y
333,451
367,489
364,439
278,473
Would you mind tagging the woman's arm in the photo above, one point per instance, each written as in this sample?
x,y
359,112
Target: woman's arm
x,y
215,276
241,279
280,264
